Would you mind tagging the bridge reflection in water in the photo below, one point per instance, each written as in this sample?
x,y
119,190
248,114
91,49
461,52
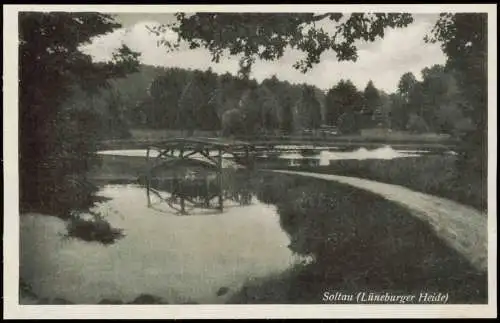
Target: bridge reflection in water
x,y
187,195
189,174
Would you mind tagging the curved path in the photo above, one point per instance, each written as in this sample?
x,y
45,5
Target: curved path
x,y
462,227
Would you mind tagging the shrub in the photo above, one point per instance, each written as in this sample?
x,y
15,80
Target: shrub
x,y
95,228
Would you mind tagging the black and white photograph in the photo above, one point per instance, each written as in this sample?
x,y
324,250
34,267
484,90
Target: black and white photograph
x,y
342,156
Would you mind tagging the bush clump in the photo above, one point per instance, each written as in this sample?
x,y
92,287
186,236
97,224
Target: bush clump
x,y
93,228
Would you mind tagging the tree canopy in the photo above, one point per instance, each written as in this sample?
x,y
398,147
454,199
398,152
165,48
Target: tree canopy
x,y
342,98
265,36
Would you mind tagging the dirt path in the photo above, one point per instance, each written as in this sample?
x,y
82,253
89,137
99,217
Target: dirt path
x,y
462,227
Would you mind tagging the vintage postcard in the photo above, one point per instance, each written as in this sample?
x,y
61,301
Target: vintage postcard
x,y
246,161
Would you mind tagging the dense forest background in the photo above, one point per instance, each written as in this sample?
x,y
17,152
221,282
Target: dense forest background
x,y
173,98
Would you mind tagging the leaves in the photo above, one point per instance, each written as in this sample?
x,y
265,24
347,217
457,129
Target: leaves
x,y
463,38
265,36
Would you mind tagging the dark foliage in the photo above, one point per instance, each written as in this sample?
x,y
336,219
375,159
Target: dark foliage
x,y
56,143
464,39
266,36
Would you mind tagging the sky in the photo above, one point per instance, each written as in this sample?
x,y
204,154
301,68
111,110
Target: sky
x,y
383,61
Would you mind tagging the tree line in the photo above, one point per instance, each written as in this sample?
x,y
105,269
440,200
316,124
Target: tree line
x,y
174,98
431,105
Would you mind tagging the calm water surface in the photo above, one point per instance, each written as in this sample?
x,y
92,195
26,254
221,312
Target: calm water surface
x,y
179,258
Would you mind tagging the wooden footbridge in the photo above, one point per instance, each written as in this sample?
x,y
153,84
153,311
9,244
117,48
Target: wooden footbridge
x,y
211,149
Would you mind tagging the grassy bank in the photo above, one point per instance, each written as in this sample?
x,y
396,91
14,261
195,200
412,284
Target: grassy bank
x,y
397,139
436,175
393,136
359,242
